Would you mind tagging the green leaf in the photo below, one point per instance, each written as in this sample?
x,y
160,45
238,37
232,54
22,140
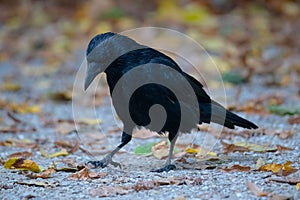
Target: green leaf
x,y
284,110
144,149
233,77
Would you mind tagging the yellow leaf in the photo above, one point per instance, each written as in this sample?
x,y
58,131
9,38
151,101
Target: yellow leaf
x,y
8,164
279,169
298,186
62,152
287,166
192,150
61,96
13,87
24,108
21,164
90,121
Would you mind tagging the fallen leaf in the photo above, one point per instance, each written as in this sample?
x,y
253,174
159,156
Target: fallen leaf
x,y
61,96
85,174
259,105
233,77
294,120
284,110
143,133
24,154
289,180
108,191
25,143
259,163
145,185
271,167
144,149
9,86
279,169
38,183
67,144
21,164
192,150
81,175
255,190
244,147
15,129
236,168
62,152
283,148
160,150
90,121
24,108
44,174
65,128
298,186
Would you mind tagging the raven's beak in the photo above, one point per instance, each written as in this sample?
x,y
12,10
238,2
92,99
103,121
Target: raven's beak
x,y
90,75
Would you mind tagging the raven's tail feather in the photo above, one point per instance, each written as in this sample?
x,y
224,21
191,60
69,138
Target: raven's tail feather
x,y
218,114
232,120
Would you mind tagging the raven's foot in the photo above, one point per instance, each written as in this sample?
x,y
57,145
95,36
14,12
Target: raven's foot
x,y
104,162
165,168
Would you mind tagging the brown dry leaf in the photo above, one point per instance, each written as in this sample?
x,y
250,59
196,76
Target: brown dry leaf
x,y
232,148
287,169
244,146
145,185
283,148
24,154
160,150
279,169
236,168
7,129
15,129
44,174
289,180
255,190
66,144
259,105
108,191
143,133
85,174
283,134
38,183
65,127
19,143
21,164
81,175
294,119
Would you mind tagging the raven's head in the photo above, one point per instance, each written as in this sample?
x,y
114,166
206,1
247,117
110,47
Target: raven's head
x,y
96,40
95,53
102,50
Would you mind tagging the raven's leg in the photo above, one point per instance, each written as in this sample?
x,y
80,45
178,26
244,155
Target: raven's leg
x,y
108,158
168,166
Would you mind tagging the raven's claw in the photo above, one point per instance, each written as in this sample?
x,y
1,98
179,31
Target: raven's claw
x,y
104,163
165,168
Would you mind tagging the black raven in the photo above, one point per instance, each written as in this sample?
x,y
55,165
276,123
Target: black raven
x,y
149,89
